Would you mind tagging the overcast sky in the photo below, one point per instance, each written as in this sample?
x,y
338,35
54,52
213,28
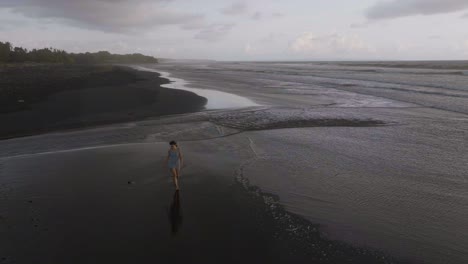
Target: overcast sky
x,y
244,30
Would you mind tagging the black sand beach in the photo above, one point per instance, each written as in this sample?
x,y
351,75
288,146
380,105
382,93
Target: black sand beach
x,y
120,207
42,98
335,166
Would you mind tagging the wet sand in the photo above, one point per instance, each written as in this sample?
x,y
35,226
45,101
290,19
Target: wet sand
x,y
120,207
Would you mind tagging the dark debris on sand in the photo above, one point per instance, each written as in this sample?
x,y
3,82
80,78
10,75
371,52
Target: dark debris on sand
x,y
276,118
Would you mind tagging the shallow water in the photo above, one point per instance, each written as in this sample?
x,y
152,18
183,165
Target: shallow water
x,y
216,99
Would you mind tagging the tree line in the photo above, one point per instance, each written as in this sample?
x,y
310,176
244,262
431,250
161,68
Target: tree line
x,y
10,54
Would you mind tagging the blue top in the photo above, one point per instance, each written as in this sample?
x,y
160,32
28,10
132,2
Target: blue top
x,y
173,161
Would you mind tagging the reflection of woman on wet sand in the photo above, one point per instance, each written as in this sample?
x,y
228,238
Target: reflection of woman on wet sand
x,y
174,214
174,162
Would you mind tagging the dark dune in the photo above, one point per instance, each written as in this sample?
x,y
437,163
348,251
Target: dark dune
x,y
42,98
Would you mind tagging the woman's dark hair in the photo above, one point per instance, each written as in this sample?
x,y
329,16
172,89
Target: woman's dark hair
x,y
173,143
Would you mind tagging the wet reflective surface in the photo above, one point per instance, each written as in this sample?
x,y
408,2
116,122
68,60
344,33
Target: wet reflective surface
x,y
216,99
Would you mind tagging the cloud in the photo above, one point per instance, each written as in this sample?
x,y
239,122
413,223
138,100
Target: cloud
x,y
256,16
10,23
105,15
214,32
248,49
305,42
401,8
465,15
359,25
330,45
237,8
272,37
277,15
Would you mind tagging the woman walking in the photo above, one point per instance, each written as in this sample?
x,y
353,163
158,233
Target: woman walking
x,y
174,162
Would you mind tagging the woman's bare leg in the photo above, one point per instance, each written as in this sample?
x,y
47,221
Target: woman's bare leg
x,y
175,178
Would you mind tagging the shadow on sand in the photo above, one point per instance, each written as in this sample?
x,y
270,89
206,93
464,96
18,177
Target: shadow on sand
x,y
175,216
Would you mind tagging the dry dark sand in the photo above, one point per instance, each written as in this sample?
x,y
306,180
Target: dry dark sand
x,y
42,98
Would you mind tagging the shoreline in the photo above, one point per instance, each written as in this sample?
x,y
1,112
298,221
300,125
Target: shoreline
x,y
138,217
84,97
215,99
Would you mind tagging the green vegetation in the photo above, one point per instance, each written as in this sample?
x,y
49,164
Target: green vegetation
x,y
10,54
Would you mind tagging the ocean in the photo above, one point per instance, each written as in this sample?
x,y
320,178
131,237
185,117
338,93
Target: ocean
x,y
401,187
